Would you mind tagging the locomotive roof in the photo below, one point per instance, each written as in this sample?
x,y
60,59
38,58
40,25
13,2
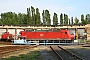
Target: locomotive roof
x,y
31,30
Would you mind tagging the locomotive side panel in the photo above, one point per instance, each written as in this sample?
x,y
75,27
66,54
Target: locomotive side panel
x,y
60,35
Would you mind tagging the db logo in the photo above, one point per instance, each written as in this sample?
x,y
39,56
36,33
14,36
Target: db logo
x,y
41,34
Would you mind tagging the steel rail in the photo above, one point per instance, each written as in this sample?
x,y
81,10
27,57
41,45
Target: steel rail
x,y
71,53
57,53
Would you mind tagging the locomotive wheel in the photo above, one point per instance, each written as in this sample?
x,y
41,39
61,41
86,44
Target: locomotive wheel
x,y
7,40
3,40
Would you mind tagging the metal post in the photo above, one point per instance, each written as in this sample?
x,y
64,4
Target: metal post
x,y
46,42
53,42
30,42
65,41
59,42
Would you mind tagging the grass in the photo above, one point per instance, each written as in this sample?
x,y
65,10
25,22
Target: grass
x,y
33,55
88,41
82,41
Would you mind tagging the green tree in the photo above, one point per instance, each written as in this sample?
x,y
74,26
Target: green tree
x,y
28,17
61,19
69,22
20,18
37,17
43,18
46,17
65,19
87,18
72,21
25,22
82,19
33,15
55,19
9,18
76,20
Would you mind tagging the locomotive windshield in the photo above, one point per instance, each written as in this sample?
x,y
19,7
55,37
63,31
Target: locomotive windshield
x,y
71,32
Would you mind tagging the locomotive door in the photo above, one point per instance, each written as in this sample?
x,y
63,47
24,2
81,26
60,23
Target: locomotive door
x,y
64,35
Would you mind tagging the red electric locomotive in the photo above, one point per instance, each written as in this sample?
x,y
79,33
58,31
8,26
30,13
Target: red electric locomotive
x,y
47,35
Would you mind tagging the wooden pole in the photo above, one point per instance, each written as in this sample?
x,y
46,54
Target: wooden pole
x,y
15,33
76,34
6,29
86,30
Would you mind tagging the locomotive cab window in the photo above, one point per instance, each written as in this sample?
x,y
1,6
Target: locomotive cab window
x,y
65,32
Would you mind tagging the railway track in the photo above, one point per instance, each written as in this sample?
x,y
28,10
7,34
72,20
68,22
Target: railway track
x,y
64,54
5,43
5,50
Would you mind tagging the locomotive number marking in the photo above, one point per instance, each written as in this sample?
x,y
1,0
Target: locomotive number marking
x,y
41,34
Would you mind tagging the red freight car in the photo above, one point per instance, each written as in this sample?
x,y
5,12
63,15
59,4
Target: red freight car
x,y
6,36
47,35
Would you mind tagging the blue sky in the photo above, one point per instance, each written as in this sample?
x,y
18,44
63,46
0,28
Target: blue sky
x,y
71,7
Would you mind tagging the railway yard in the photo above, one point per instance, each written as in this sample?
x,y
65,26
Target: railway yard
x,y
44,33
49,52
45,45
